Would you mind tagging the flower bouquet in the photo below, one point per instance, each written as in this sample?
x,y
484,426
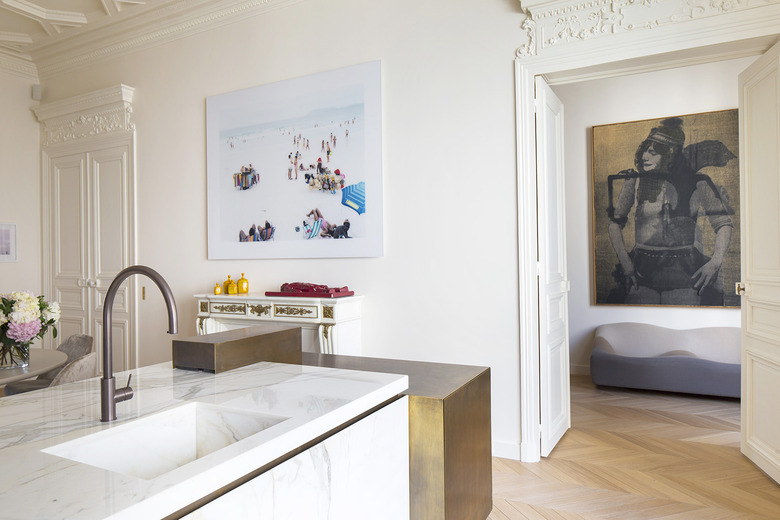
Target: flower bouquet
x,y
23,317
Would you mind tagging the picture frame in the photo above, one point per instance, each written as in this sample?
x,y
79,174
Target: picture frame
x,y
294,168
8,243
674,215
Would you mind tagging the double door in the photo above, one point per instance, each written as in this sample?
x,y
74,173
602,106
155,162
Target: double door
x,y
88,230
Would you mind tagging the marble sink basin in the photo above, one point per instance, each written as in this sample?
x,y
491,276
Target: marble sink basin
x,y
152,446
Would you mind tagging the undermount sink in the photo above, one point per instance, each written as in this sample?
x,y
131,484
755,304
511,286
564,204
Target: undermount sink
x,y
152,446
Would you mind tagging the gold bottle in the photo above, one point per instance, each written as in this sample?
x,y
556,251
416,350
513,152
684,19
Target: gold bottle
x,y
243,285
217,288
225,285
232,287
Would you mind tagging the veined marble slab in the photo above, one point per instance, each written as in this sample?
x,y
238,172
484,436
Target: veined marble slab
x,y
39,485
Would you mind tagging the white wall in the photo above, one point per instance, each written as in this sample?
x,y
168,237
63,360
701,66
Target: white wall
x,y
446,288
20,183
688,90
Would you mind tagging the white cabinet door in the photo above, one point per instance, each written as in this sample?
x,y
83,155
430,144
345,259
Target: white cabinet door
x,y
89,231
553,275
759,135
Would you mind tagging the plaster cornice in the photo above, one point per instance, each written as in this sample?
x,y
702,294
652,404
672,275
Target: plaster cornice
x,y
18,66
171,21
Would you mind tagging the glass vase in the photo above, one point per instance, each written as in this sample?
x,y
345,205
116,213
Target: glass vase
x,y
14,356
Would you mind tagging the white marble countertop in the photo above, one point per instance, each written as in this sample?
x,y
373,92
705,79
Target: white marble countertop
x,y
38,485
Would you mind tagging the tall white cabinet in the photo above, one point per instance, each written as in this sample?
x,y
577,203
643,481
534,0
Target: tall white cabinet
x,y
88,149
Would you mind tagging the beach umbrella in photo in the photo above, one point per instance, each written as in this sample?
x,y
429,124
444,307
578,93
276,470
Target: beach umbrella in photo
x,y
354,196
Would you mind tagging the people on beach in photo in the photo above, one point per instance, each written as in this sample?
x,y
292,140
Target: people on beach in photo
x,y
340,231
324,226
257,234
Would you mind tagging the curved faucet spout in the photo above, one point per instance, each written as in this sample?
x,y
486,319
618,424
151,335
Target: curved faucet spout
x,y
109,394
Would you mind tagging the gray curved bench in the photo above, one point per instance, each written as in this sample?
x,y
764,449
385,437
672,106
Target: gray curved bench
x,y
696,361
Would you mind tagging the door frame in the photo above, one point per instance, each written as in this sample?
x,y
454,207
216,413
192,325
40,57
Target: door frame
x,y
81,124
688,42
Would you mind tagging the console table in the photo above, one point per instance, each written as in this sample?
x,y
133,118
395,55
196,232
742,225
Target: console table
x,y
328,325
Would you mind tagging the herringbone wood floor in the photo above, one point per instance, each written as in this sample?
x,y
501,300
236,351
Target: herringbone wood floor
x,y
639,455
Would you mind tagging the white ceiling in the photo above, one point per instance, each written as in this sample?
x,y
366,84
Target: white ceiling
x,y
40,37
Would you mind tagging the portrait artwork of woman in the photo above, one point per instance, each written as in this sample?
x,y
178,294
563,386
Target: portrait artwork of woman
x,y
667,264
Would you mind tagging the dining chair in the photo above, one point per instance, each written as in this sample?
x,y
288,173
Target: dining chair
x,y
82,368
76,346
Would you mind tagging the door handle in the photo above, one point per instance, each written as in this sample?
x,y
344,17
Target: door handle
x,y
739,288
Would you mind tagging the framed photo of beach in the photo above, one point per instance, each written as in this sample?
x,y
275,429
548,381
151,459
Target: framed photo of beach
x,y
666,211
7,242
294,168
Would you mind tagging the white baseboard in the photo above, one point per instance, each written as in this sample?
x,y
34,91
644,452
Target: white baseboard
x,y
506,450
580,370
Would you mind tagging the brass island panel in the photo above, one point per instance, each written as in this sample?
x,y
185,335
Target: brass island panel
x,y
222,351
450,465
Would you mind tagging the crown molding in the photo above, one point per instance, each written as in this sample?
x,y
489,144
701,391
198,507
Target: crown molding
x,y
102,112
173,21
18,65
558,23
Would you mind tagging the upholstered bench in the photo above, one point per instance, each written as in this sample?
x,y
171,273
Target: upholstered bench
x,y
696,361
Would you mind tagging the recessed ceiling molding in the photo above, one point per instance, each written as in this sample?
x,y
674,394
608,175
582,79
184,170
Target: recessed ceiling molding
x,y
52,20
113,7
151,28
15,42
556,23
13,37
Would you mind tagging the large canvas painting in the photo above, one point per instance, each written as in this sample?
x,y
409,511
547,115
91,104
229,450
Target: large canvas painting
x,y
666,211
294,168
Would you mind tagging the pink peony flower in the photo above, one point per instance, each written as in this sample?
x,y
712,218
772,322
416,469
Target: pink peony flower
x,y
23,332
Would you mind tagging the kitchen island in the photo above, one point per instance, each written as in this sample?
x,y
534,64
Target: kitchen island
x,y
301,442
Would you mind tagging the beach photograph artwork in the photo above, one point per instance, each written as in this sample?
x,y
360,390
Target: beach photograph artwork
x,y
294,168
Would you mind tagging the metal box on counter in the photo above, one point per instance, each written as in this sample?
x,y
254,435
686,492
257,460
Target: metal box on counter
x,y
222,351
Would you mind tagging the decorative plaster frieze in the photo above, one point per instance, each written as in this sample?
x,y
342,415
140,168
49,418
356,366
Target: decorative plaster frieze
x,y
102,112
107,122
555,23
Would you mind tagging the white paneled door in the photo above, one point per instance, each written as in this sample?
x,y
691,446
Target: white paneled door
x,y
759,135
89,232
555,417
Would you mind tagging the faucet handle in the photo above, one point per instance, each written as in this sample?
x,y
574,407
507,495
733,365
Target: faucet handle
x,y
123,394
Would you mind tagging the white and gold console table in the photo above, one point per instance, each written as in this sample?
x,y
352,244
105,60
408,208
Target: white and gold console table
x,y
328,325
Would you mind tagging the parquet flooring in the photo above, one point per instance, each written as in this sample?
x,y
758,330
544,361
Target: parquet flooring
x,y
639,455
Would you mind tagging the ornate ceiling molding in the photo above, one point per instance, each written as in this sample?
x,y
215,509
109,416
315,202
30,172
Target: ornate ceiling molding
x,y
554,23
166,24
18,66
103,112
118,33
